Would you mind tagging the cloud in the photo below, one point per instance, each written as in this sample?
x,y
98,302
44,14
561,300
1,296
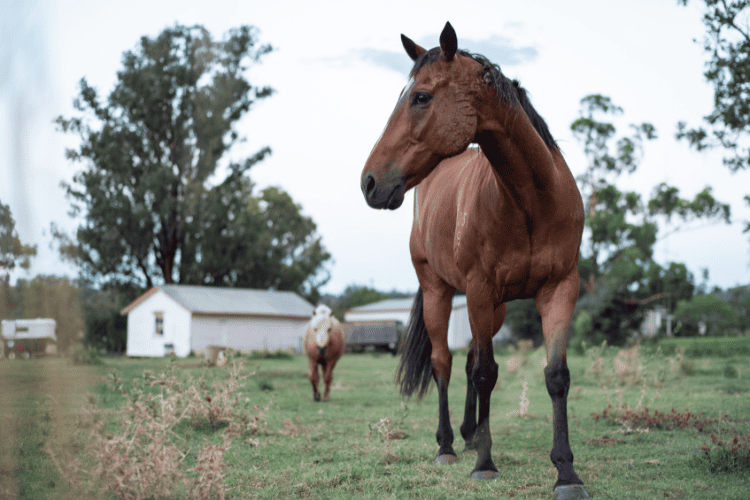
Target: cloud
x,y
498,49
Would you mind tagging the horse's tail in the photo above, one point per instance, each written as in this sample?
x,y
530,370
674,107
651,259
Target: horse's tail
x,y
415,369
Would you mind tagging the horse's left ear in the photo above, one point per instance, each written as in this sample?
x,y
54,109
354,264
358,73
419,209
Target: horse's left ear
x,y
411,48
448,42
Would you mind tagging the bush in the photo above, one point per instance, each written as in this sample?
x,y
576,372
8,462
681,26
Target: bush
x,y
708,346
82,355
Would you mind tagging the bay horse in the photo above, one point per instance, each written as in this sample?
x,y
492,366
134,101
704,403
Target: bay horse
x,y
324,345
501,222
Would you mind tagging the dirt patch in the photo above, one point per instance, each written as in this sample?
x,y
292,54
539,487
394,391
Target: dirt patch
x,y
604,441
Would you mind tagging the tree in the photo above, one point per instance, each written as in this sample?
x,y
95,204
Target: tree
x,y
358,295
12,251
727,42
718,316
618,274
147,192
57,298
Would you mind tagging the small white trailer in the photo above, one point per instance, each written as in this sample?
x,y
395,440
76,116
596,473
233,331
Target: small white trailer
x,y
28,337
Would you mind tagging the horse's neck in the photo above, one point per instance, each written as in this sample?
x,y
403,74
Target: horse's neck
x,y
521,160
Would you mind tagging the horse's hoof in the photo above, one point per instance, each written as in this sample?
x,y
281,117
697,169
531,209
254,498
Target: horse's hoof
x,y
485,475
445,459
316,397
570,492
469,447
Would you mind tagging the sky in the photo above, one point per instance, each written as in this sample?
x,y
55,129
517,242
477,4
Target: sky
x,y
338,68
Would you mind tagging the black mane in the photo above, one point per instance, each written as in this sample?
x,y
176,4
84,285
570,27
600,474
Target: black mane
x,y
509,91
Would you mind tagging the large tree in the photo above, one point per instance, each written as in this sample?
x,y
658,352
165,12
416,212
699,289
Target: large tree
x,y
12,251
618,273
151,193
727,42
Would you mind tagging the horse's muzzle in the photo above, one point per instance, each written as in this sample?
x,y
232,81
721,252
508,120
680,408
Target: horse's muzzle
x,y
387,196
322,351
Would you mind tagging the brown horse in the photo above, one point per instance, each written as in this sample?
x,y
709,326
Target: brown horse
x,y
502,222
324,345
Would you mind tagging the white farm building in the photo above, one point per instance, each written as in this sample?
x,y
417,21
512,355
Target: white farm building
x,y
183,318
459,331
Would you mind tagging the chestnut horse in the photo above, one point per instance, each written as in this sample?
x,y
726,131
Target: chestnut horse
x,y
324,345
502,222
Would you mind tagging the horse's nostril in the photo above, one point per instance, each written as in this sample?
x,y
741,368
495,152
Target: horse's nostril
x,y
368,184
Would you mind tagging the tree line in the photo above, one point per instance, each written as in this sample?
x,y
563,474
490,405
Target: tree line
x,y
161,204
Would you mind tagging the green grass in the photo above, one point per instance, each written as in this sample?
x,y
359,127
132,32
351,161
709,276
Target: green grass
x,y
708,346
338,450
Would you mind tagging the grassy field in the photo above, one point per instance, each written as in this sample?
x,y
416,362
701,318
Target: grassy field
x,y
138,428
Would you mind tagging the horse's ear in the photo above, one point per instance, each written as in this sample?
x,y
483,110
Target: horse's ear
x,y
412,48
448,42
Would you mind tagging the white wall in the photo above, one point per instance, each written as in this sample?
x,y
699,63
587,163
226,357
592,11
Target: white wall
x,y
142,337
391,315
247,333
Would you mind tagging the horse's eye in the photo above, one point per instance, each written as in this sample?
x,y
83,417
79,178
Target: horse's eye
x,y
422,98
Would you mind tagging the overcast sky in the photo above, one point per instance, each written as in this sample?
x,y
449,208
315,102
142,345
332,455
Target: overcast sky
x,y
337,69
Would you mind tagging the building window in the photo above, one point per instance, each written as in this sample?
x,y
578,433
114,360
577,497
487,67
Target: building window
x,y
159,323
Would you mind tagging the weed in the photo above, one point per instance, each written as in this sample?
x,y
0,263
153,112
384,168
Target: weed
x,y
144,457
642,418
82,355
730,372
725,455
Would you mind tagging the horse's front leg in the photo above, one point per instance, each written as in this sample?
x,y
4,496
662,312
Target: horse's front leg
x,y
313,376
436,310
483,375
469,425
556,304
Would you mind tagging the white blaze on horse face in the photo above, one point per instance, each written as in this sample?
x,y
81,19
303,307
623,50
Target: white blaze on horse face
x,y
321,333
405,92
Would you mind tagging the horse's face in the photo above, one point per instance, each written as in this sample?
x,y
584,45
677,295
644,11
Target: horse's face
x,y
434,119
322,331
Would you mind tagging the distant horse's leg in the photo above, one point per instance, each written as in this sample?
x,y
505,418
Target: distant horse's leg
x,y
469,425
437,310
313,375
328,378
556,304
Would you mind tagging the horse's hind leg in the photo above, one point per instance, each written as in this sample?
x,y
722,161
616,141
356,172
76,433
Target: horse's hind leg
x,y
469,425
556,305
313,376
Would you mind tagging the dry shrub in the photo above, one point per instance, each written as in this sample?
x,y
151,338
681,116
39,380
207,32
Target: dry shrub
x,y
513,363
643,419
145,457
628,366
210,472
525,346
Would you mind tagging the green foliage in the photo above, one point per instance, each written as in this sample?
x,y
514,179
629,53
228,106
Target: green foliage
x,y
12,251
149,150
696,347
618,274
265,354
727,44
524,319
718,316
357,295
82,355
